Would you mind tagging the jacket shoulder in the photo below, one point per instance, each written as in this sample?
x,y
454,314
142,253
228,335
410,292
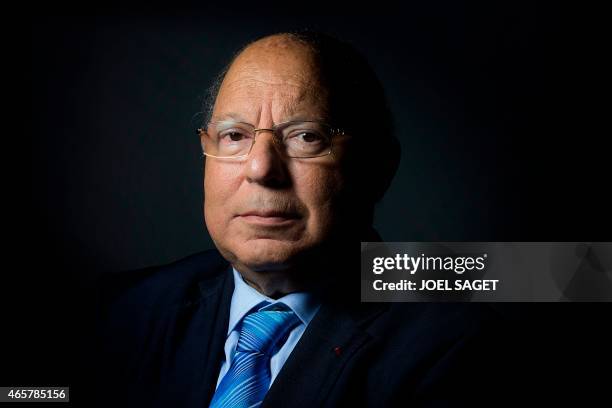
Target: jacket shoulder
x,y
430,347
137,312
169,284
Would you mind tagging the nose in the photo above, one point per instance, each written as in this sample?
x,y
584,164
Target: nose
x,y
265,164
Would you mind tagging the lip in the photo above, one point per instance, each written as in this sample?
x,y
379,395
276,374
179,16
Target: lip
x,y
268,217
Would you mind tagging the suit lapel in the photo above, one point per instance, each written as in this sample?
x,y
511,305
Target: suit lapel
x,y
217,305
196,346
332,339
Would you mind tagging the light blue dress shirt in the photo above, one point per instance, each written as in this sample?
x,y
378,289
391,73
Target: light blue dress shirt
x,y
244,298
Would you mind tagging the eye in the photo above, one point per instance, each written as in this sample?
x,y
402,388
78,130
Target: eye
x,y
235,136
232,135
309,137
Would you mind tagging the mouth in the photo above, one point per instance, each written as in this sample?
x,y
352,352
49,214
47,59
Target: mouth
x,y
268,218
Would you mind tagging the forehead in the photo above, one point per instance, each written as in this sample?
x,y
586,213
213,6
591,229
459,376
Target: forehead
x,y
284,83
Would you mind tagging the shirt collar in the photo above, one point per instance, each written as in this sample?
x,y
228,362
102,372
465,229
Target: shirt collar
x,y
245,298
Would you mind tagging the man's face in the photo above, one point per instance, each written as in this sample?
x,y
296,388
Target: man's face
x,y
265,209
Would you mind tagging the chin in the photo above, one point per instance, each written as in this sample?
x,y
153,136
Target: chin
x,y
267,254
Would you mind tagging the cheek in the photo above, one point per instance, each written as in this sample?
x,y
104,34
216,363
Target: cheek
x,y
219,185
319,189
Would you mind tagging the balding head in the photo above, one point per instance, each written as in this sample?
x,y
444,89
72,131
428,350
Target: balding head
x,y
282,42
283,52
279,64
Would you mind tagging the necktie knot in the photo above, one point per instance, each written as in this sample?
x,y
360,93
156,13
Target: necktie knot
x,y
263,330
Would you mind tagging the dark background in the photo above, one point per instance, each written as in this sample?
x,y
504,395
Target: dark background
x,y
498,111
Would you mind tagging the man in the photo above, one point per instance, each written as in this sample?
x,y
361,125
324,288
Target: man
x,y
298,149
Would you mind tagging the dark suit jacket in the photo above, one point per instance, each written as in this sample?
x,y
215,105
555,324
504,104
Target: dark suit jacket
x,y
161,331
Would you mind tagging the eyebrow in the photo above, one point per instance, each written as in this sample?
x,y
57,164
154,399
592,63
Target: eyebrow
x,y
231,115
239,118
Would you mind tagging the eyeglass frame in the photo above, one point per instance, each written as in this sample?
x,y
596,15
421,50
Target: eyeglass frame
x,y
335,131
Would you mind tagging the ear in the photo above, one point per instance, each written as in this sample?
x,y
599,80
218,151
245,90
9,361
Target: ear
x,y
201,133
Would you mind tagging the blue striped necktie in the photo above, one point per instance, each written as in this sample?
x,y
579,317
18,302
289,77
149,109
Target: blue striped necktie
x,y
262,333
